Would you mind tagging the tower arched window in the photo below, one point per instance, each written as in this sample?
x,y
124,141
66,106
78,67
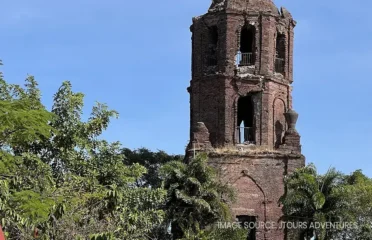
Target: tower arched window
x,y
280,53
247,46
245,123
212,46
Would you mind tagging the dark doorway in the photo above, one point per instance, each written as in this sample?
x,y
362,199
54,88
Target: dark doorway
x,y
247,45
279,129
212,48
213,35
247,39
280,53
245,124
280,46
248,223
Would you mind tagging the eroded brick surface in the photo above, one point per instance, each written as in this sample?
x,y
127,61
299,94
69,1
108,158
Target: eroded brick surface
x,y
258,180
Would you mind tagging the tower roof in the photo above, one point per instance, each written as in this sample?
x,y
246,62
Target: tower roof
x,y
244,5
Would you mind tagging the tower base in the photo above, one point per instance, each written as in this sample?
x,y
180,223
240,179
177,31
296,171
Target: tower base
x,y
258,178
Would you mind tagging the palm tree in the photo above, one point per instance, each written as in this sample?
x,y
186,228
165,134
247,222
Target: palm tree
x,y
314,199
195,196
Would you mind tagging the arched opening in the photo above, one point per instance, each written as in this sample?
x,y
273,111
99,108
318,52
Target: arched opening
x,y
279,122
245,125
247,46
250,196
280,53
212,46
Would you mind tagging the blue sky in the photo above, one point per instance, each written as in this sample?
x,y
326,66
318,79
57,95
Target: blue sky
x,y
135,56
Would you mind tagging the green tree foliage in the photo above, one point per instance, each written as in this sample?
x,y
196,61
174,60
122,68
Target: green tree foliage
x,y
357,193
329,198
313,198
59,180
152,161
195,197
215,233
23,119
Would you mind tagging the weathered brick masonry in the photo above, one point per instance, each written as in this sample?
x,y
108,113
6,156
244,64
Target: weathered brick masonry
x,y
241,103
258,179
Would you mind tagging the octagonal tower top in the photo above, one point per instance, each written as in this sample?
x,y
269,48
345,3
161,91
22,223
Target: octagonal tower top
x,y
244,6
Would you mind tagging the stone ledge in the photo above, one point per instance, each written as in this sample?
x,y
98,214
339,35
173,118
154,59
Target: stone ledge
x,y
252,153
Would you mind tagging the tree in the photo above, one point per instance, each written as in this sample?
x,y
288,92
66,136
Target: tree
x,y
314,198
24,179
333,198
195,197
59,180
152,161
357,193
23,119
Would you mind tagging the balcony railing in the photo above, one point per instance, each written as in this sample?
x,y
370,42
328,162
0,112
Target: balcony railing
x,y
279,65
246,135
245,59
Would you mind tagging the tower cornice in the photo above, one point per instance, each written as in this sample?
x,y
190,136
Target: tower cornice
x,y
244,5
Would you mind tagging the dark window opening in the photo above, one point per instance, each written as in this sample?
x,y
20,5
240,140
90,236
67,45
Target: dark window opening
x,y
212,46
280,53
213,35
249,223
245,125
247,46
279,130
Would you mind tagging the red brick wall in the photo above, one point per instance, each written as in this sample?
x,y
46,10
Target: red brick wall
x,y
258,181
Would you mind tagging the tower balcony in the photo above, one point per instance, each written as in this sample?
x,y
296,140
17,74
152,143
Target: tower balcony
x,y
246,135
245,59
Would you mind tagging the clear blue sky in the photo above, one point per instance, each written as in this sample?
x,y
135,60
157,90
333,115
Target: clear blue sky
x,y
135,56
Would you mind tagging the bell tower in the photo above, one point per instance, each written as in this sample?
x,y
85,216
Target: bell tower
x,y
242,70
241,103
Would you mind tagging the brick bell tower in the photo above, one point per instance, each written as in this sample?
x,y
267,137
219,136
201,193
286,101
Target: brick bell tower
x,y
241,105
